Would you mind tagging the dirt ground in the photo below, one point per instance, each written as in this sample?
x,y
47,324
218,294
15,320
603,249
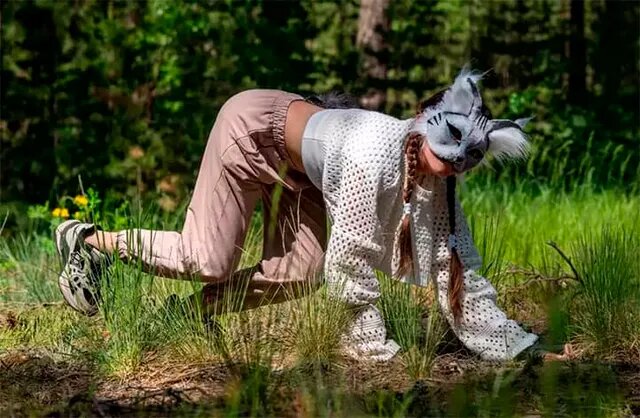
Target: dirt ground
x,y
34,383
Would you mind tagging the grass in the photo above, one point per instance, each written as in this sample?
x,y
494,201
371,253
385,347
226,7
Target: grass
x,y
27,262
606,305
286,357
319,321
414,322
525,219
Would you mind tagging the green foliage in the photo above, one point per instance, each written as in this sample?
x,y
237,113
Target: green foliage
x,y
128,318
58,329
137,325
124,93
319,325
28,268
513,226
570,145
606,307
413,322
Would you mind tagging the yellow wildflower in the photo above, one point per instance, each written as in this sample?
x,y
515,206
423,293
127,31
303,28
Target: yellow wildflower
x,y
81,201
78,215
60,213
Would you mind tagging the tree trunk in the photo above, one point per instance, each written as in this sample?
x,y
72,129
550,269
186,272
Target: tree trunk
x,y
617,52
577,55
373,27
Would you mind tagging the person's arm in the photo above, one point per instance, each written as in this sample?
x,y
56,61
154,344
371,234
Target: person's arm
x,y
483,328
355,246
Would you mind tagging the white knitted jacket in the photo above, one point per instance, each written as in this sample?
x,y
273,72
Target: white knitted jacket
x,y
362,183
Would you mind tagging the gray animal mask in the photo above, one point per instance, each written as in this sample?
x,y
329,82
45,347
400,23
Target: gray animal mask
x,y
460,130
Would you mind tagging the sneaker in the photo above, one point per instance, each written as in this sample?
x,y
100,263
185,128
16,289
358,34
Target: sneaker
x,y
82,265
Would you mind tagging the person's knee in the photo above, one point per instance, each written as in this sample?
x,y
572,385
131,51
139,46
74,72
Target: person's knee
x,y
213,272
202,265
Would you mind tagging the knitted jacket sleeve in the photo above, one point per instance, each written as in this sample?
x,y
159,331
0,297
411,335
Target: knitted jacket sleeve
x,y
484,328
355,246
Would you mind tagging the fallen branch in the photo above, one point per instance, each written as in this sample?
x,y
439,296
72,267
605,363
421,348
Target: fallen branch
x,y
533,276
567,259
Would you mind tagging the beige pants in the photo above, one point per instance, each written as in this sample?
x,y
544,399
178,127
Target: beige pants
x,y
245,160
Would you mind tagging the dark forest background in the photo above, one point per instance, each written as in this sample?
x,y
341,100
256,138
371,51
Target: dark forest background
x,y
124,93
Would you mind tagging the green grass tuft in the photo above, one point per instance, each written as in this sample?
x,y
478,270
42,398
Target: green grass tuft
x,y
606,307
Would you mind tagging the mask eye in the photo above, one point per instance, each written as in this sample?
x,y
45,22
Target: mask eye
x,y
455,132
476,154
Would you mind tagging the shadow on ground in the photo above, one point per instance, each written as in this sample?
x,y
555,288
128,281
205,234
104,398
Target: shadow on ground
x,y
35,384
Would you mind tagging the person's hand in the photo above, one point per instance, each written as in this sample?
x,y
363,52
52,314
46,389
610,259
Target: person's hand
x,y
568,353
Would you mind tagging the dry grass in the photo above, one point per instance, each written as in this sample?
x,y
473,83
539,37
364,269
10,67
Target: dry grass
x,y
285,359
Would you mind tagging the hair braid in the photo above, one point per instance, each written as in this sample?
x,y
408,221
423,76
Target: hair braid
x,y
412,150
456,268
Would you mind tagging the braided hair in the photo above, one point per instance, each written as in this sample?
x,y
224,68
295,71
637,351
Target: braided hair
x,y
414,143
412,150
456,269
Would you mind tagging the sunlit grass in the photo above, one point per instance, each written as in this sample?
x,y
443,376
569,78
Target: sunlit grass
x,y
53,328
528,219
29,269
143,318
413,320
606,306
318,325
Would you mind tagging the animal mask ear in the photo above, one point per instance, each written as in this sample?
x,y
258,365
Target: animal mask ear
x,y
463,96
522,122
507,140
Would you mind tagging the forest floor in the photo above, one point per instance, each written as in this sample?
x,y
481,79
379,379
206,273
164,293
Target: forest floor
x,y
35,383
46,382
141,357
